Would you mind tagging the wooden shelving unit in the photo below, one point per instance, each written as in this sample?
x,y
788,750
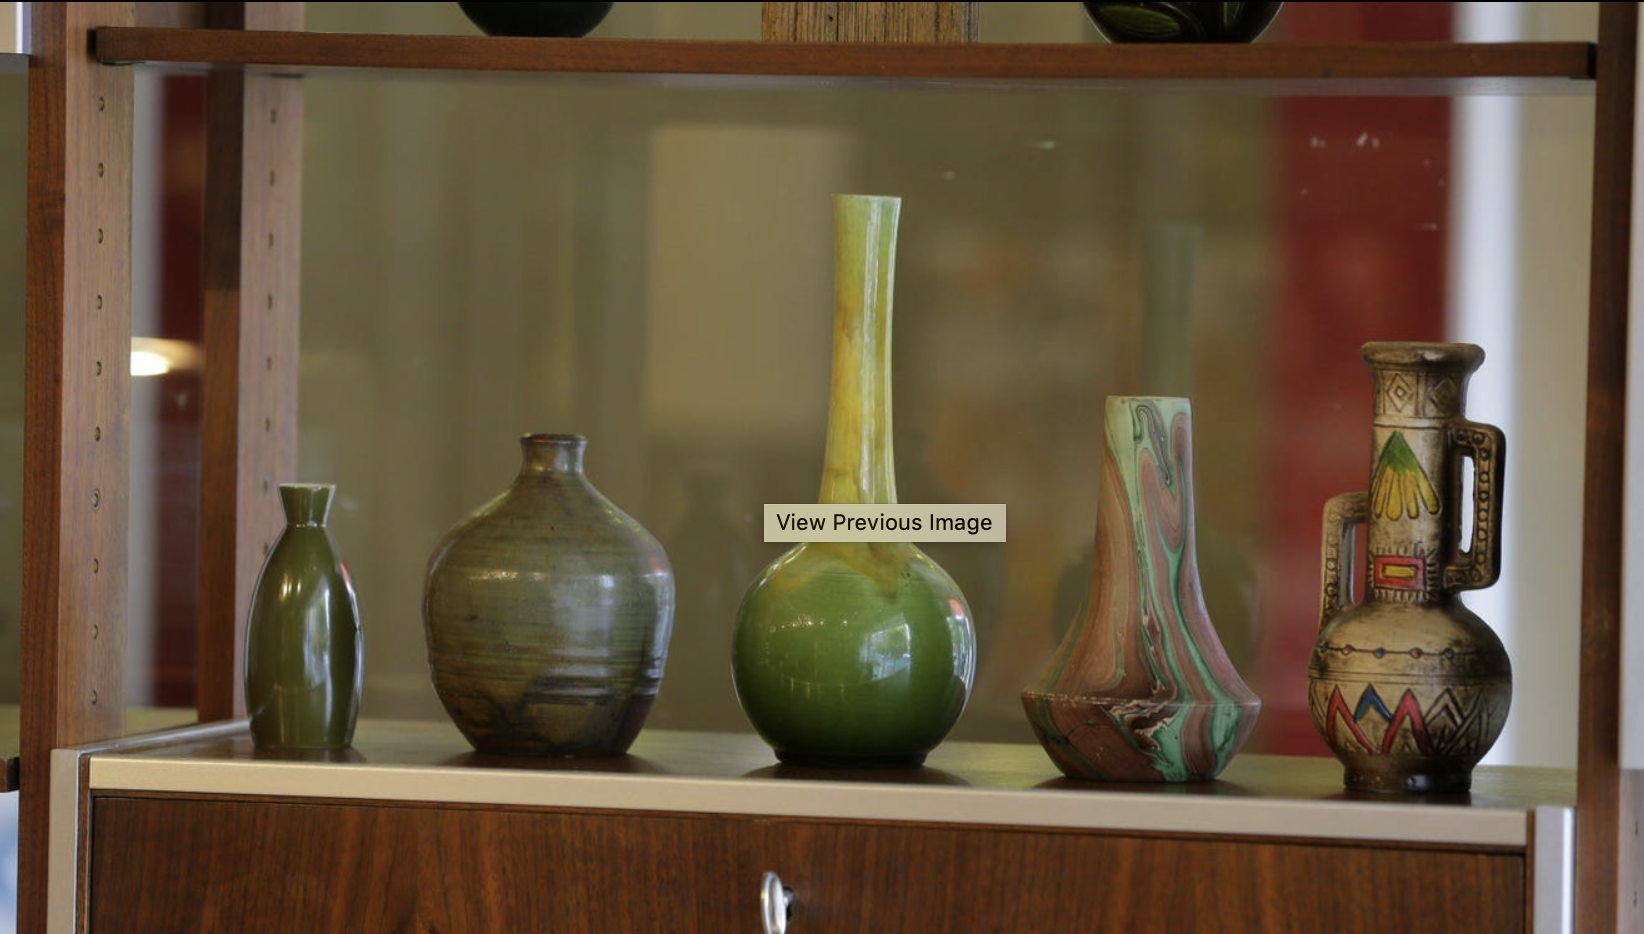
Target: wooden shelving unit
x,y
654,856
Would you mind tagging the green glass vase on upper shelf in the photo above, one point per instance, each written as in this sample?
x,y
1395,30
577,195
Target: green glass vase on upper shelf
x,y
856,654
304,651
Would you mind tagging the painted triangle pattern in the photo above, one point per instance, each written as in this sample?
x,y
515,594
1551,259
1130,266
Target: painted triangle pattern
x,y
1452,724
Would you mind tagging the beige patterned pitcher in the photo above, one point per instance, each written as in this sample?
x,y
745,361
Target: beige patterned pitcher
x,y
1408,687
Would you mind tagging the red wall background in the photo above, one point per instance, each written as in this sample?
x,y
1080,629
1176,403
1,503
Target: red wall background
x,y
1362,191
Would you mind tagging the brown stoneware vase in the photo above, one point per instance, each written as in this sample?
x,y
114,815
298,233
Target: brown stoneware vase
x,y
1140,689
547,613
1408,687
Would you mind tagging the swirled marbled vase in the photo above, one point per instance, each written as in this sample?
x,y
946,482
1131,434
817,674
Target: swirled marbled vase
x,y
1140,689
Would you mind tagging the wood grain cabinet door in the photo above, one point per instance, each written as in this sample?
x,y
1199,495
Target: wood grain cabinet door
x,y
910,879
169,864
178,865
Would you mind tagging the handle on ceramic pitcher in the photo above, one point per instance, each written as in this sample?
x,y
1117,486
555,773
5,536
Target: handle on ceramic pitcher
x,y
1479,565
1341,514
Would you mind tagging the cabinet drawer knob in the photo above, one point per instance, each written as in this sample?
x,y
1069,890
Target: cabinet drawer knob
x,y
775,904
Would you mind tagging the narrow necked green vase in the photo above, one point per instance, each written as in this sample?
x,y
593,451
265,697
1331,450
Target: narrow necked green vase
x,y
304,652
856,654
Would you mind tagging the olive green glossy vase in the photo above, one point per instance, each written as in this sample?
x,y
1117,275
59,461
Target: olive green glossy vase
x,y
304,651
547,613
856,654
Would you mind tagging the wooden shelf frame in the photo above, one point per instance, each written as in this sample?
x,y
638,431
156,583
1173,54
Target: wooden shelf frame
x,y
1313,68
79,290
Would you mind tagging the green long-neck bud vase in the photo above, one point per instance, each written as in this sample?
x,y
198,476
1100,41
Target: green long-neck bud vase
x,y
856,654
304,652
859,464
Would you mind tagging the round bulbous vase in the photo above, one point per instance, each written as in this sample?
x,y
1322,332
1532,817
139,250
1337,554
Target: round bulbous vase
x,y
304,649
547,613
853,654
856,654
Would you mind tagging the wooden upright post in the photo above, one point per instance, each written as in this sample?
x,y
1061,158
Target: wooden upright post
x,y
869,22
248,431
77,375
1609,868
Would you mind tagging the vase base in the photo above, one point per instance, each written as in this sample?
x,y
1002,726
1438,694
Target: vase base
x,y
342,753
274,746
271,738
1409,783
545,750
1092,738
831,761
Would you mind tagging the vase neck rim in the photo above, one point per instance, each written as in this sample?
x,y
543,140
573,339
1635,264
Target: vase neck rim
x,y
1420,354
1125,403
552,453
306,504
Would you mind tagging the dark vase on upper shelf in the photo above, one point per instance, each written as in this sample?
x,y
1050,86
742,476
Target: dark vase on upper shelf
x,y
566,20
1181,22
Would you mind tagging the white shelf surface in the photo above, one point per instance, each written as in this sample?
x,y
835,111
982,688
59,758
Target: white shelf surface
x,y
734,774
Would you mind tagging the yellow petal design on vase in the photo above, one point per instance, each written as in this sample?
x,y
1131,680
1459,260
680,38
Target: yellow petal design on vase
x,y
1399,487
